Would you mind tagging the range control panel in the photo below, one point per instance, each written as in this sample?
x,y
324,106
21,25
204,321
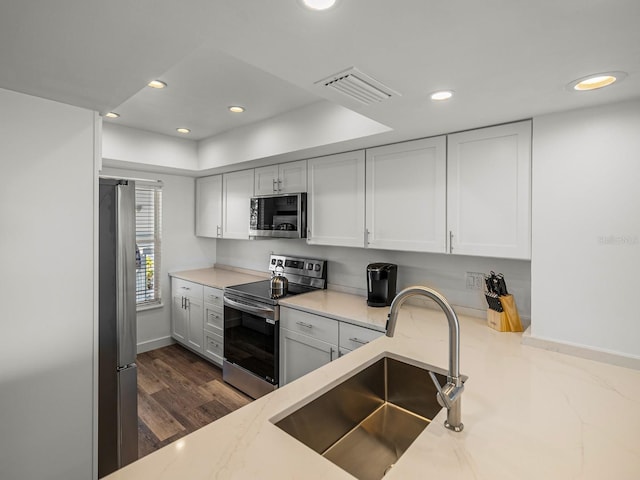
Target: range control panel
x,y
307,267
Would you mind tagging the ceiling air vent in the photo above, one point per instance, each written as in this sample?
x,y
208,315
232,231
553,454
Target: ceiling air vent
x,y
358,86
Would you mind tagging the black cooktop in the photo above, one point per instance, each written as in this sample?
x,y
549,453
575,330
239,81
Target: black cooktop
x,y
260,290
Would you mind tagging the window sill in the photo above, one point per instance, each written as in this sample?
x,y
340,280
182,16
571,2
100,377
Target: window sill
x,y
144,308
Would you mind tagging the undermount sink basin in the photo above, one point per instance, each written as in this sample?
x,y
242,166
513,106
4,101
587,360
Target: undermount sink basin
x,y
366,422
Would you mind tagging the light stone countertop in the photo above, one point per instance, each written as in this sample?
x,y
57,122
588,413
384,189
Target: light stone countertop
x,y
528,413
219,277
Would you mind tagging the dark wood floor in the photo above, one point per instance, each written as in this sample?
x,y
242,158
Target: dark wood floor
x,y
179,392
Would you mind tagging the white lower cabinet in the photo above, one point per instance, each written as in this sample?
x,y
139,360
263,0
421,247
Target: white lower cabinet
x,y
187,313
213,344
309,341
197,315
213,324
301,354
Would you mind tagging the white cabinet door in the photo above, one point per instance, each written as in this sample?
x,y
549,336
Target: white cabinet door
x,y
195,324
237,190
266,180
178,318
288,177
301,354
292,177
406,196
209,206
335,202
489,191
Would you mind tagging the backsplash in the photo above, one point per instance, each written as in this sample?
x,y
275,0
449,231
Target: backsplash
x,y
347,269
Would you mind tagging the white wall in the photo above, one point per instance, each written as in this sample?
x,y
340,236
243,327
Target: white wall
x,y
47,292
122,146
321,123
181,249
347,266
586,228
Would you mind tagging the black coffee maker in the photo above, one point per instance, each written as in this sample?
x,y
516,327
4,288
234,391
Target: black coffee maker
x,y
381,284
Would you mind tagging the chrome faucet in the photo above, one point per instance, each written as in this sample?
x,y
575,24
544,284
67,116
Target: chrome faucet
x,y
450,395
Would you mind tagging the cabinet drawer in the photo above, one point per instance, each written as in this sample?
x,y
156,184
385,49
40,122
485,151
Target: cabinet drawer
x,y
213,296
185,288
353,336
316,326
213,346
213,318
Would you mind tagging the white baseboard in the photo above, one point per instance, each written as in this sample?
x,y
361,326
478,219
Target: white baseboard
x,y
581,351
153,344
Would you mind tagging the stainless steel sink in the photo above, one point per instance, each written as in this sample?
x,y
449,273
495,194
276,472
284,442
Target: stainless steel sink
x,y
365,423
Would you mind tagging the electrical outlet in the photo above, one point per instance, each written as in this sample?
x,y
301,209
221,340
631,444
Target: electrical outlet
x,y
475,281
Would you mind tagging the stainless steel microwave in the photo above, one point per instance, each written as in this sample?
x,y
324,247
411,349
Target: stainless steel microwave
x,y
279,216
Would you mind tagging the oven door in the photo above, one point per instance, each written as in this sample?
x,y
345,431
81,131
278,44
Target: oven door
x,y
251,337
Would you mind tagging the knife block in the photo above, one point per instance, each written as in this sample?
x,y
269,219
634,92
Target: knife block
x,y
507,320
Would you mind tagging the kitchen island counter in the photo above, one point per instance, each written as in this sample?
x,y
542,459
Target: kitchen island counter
x,y
528,414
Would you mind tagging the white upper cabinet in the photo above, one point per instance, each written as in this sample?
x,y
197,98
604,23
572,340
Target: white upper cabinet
x,y
237,190
406,196
209,206
288,177
335,202
489,191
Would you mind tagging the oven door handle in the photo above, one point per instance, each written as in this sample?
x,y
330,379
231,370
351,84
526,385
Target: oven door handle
x,y
249,308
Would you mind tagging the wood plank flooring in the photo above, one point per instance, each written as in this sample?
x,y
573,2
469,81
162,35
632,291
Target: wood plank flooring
x,y
178,393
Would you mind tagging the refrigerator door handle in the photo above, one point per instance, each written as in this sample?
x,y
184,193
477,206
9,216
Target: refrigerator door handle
x,y
125,272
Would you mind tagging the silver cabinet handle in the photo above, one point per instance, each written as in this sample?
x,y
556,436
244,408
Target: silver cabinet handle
x,y
366,236
302,324
217,230
182,306
357,340
450,241
185,288
273,187
279,185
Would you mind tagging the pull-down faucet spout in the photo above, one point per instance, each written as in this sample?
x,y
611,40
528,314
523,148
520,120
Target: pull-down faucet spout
x,y
450,395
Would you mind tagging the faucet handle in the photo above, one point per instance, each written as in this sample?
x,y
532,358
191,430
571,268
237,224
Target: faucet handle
x,y
442,398
448,395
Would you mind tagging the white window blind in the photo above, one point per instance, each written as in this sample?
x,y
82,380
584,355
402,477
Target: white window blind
x,y
148,243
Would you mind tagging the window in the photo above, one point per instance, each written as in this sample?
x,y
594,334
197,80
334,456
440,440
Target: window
x,y
148,243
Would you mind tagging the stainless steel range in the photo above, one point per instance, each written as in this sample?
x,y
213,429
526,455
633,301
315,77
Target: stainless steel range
x,y
252,320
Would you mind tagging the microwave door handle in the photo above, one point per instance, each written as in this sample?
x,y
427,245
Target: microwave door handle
x,y
249,308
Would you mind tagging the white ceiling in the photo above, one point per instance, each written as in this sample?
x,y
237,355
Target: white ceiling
x,y
505,59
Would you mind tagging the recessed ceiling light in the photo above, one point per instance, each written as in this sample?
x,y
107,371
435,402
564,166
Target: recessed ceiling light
x,y
318,4
156,84
593,82
442,95
183,130
236,109
112,115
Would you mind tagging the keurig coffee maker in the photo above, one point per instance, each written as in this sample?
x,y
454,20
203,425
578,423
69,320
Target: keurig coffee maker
x,y
381,284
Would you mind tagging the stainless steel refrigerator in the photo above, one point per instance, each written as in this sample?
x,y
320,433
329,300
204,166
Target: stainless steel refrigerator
x,y
117,371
